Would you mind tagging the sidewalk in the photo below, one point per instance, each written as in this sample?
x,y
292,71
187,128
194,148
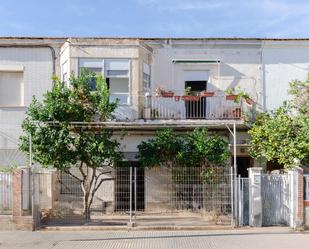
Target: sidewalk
x,y
261,238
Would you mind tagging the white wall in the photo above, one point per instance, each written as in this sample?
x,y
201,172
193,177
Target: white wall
x,y
283,62
239,66
37,71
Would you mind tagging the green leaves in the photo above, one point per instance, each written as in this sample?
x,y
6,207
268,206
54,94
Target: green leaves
x,y
55,141
281,135
196,148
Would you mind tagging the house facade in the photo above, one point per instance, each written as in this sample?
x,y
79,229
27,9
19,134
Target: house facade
x,y
139,70
166,82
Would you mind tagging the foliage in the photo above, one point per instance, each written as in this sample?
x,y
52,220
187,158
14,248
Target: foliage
x,y
196,148
9,168
188,91
58,143
240,94
300,91
283,135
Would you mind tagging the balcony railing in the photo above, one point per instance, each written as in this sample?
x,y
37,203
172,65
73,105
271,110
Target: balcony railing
x,y
191,107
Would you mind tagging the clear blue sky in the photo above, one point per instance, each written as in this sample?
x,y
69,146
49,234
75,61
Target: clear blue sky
x,y
155,18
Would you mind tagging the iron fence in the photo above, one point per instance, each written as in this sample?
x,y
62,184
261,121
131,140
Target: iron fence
x,y
6,194
157,196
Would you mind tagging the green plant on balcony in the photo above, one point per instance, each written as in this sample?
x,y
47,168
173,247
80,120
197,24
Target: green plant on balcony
x,y
160,92
189,95
238,95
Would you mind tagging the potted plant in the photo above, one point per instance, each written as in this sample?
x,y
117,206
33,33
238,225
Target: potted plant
x,y
207,94
165,94
189,95
237,95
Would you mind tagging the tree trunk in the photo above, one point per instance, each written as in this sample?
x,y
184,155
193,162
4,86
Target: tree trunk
x,y
88,184
86,210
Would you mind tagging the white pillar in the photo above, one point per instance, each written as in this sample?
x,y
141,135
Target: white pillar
x,y
255,197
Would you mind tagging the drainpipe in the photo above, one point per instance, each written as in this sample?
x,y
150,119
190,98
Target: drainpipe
x,y
263,93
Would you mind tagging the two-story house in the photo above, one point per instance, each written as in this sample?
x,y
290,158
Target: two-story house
x,y
178,83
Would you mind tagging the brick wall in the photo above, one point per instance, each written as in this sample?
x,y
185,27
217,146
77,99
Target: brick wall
x,y
300,198
21,221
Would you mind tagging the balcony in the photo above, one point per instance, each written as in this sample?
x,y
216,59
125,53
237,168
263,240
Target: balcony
x,y
192,108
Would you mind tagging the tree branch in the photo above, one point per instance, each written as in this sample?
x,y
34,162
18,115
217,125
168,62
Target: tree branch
x,y
74,176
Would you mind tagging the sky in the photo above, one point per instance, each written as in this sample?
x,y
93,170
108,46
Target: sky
x,y
155,18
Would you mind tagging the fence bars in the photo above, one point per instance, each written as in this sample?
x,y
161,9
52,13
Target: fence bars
x,y
5,193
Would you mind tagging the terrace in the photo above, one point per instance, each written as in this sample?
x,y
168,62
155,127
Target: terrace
x,y
183,107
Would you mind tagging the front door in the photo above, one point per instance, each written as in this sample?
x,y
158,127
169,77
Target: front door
x,y
196,108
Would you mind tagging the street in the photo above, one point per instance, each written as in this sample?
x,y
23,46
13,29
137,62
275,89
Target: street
x,y
263,238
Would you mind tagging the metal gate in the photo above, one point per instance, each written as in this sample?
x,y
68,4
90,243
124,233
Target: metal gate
x,y
159,196
5,193
242,191
275,193
275,197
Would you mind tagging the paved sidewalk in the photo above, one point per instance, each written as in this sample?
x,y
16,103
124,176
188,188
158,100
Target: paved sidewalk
x,y
264,238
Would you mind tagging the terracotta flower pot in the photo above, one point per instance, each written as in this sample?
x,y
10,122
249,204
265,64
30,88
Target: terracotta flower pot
x,y
231,97
167,94
190,98
207,94
249,101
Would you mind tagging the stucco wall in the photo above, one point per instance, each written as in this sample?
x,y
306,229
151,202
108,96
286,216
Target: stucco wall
x,y
37,71
283,62
237,67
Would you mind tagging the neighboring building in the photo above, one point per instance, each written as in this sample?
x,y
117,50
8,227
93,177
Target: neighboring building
x,y
26,68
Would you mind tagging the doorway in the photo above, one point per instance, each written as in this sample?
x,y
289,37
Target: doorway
x,y
196,108
243,163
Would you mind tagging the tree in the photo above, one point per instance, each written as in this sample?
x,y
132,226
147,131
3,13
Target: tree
x,y
283,134
58,142
194,149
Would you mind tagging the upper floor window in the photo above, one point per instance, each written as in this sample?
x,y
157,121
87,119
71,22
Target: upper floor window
x,y
11,88
146,76
116,73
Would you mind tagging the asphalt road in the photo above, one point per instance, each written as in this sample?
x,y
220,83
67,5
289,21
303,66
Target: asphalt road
x,y
264,238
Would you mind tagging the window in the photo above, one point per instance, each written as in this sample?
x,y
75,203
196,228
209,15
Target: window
x,y
91,65
11,88
92,82
117,76
146,76
116,73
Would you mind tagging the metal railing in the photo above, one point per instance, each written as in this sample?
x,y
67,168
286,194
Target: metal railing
x,y
191,107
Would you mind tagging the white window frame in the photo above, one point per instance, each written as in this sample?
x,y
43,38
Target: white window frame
x,y
101,63
147,73
15,69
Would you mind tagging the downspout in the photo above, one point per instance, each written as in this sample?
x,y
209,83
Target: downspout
x,y
263,93
52,50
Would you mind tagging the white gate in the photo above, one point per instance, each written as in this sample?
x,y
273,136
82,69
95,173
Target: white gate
x,y
5,193
275,199
275,193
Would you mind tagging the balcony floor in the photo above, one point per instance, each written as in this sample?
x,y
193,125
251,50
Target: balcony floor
x,y
142,124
